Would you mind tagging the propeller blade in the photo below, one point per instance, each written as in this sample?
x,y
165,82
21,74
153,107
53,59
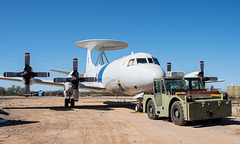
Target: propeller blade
x,y
202,68
42,74
76,94
12,74
88,79
75,64
62,80
168,66
27,59
212,78
27,90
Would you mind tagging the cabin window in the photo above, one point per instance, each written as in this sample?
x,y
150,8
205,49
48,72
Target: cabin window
x,y
150,60
194,84
174,84
132,62
141,60
157,88
163,88
156,61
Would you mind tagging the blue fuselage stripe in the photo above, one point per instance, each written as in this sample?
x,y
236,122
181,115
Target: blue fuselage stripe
x,y
100,74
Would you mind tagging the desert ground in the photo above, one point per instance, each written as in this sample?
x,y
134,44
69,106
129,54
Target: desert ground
x,y
102,120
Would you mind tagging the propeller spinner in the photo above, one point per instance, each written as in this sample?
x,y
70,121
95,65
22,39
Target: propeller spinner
x,y
27,74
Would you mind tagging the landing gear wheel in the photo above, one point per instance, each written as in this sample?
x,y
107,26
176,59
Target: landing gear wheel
x,y
177,114
138,107
72,103
151,110
66,102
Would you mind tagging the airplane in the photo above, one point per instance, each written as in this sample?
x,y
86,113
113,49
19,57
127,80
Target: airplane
x,y
130,75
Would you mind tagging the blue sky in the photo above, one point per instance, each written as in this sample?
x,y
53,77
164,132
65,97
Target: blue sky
x,y
179,31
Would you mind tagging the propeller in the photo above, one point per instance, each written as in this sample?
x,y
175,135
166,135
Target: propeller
x,y
75,79
201,74
168,66
27,74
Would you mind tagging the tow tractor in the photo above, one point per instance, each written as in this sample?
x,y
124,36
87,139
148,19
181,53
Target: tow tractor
x,y
185,99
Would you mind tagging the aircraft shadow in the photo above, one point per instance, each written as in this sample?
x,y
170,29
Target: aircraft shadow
x,y
16,122
109,105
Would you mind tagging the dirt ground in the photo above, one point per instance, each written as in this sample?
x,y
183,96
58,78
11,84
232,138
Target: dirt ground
x,y
41,120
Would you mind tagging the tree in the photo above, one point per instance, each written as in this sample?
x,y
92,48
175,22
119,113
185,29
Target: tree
x,y
15,90
2,91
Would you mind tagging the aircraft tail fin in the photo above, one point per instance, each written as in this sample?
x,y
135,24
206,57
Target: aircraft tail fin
x,y
89,64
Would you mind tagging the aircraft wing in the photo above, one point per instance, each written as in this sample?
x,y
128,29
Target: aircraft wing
x,y
213,81
85,86
93,86
65,72
17,79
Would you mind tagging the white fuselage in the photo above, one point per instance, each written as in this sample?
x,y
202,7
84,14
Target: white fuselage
x,y
129,75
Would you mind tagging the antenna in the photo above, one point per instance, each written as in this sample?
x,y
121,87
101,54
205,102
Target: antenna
x,y
101,45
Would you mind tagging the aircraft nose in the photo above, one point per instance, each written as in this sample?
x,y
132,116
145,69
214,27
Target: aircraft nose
x,y
148,74
152,73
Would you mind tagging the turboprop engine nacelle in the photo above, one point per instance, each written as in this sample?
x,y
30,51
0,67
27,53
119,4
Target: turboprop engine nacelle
x,y
68,89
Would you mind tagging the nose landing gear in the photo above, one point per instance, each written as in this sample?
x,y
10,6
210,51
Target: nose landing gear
x,y
71,101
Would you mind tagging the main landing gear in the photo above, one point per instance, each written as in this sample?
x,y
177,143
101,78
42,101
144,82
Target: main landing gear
x,y
71,101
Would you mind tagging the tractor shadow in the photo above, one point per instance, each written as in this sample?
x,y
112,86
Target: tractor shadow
x,y
206,123
212,123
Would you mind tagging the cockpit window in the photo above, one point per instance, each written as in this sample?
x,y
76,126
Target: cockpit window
x,y
150,60
132,62
156,61
141,60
